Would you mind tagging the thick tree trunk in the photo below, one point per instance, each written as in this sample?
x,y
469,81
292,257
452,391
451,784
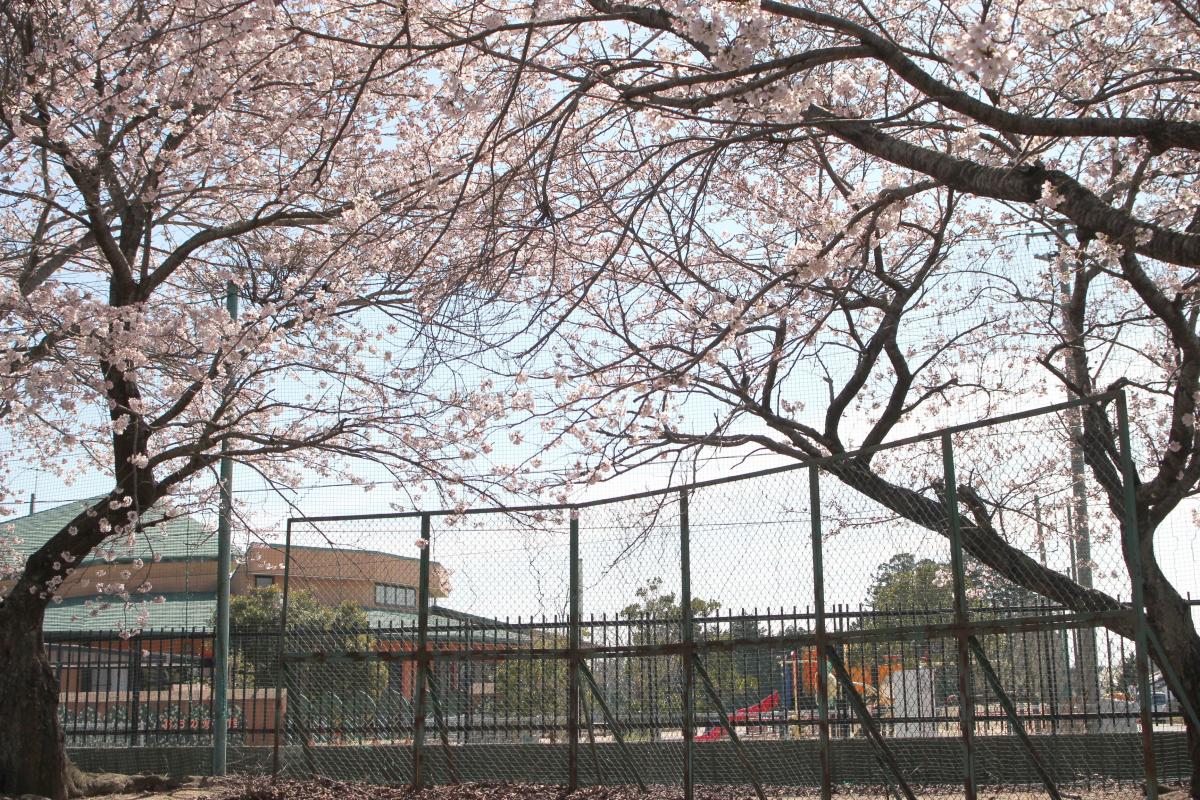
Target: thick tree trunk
x,y
1171,618
1167,612
33,758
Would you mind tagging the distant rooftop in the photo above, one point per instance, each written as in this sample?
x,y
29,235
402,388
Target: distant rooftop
x,y
193,611
181,539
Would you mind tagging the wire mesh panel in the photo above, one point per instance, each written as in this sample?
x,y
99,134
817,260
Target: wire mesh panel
x,y
1033,508
350,628
631,595
953,610
1043,539
498,636
752,587
890,603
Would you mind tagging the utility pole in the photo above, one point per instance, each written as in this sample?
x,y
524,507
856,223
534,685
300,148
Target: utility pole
x,y
220,694
1078,526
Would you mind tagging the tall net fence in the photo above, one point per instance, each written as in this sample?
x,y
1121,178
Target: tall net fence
x,y
956,610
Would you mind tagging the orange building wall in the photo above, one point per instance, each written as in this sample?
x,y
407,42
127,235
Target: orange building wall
x,y
333,575
165,577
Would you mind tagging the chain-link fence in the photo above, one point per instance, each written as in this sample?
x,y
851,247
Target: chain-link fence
x,y
957,609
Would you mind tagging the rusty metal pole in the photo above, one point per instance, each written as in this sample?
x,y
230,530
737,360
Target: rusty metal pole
x,y
220,693
966,703
689,672
422,657
822,687
1133,559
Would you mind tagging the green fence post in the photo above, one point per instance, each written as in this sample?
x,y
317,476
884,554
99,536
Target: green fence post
x,y
687,635
422,657
574,642
281,653
220,694
966,703
1133,558
134,670
822,687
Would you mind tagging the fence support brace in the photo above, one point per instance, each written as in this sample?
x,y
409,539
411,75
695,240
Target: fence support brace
x,y
738,747
586,673
1011,712
440,718
586,710
864,718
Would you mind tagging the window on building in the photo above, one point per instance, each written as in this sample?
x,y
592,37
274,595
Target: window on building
x,y
387,594
263,581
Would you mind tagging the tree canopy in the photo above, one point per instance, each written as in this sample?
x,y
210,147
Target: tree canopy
x,y
254,622
701,205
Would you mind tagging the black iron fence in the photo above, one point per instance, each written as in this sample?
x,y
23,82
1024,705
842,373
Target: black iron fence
x,y
963,607
153,688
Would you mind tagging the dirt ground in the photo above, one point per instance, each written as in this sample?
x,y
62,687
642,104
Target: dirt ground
x,y
260,788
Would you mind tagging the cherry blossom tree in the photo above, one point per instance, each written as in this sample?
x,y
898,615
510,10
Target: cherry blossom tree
x,y
704,199
153,154
733,199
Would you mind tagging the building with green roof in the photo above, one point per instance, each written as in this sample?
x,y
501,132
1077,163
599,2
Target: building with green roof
x,y
172,567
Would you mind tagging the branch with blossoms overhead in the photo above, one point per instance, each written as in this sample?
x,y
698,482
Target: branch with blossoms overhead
x,y
186,150
783,226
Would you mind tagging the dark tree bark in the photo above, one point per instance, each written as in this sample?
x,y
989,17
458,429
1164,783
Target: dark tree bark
x,y
33,759
1170,616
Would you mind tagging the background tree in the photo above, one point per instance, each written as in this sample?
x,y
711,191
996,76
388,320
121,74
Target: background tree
x,y
906,583
651,687
907,590
254,623
341,698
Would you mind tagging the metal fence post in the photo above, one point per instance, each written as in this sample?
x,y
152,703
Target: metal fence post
x,y
966,703
280,652
822,687
134,682
1133,557
687,635
220,694
422,657
220,685
574,642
